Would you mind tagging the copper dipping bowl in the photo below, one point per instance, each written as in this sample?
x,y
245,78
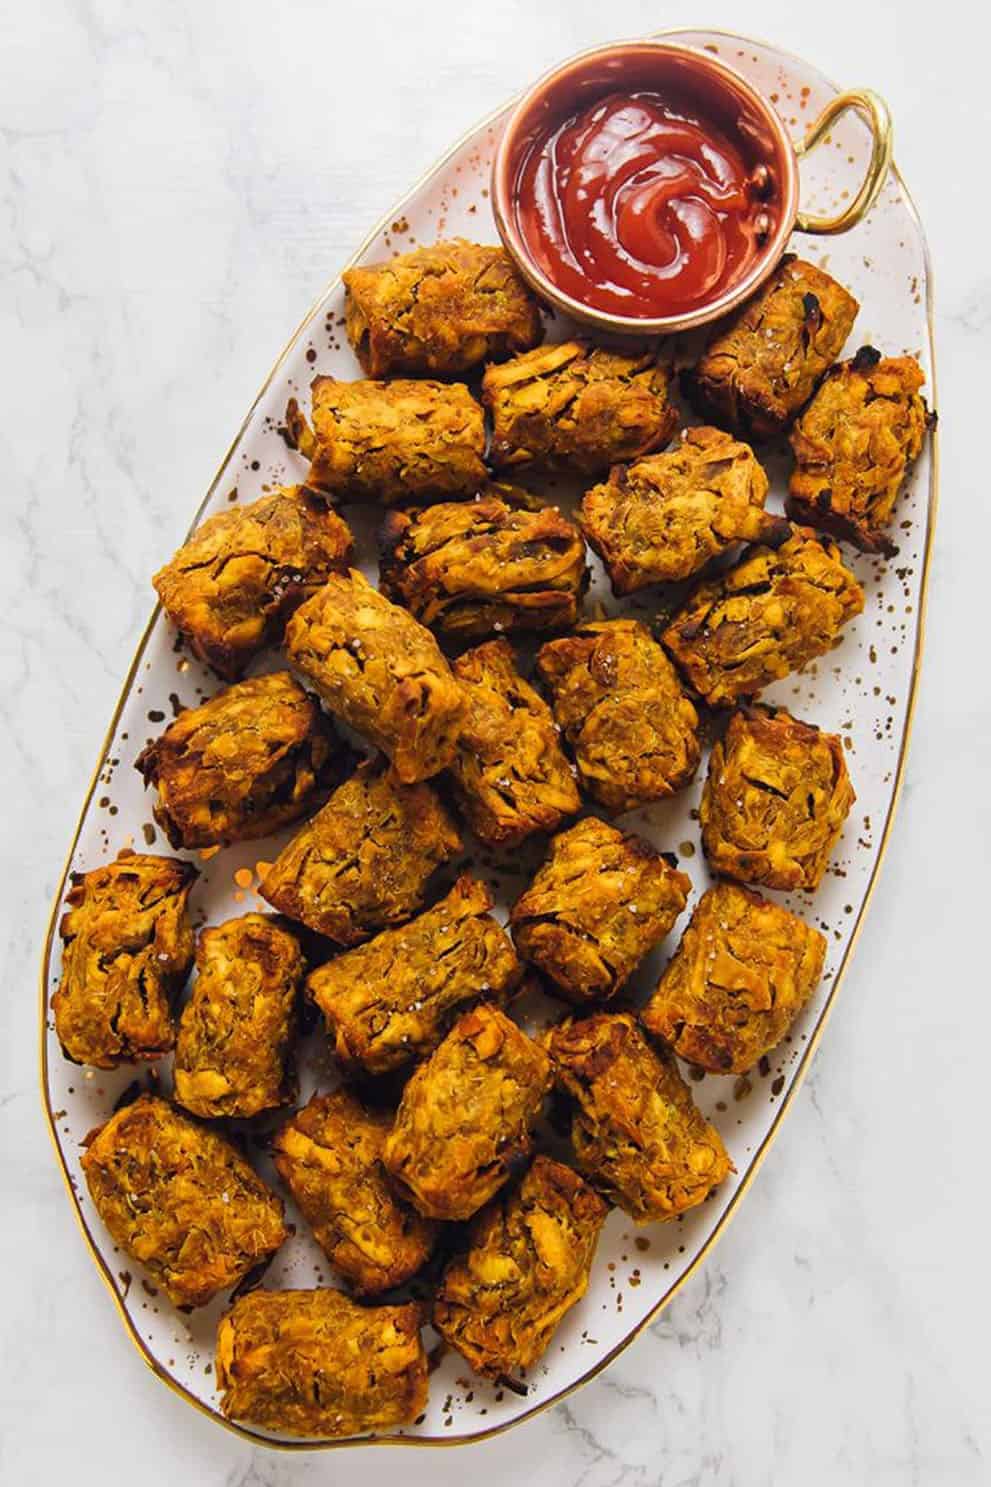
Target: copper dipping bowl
x,y
732,103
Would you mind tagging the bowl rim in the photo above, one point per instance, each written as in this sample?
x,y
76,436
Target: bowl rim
x,y
640,325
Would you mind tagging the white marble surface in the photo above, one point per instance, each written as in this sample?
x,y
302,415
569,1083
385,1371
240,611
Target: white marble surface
x,y
177,183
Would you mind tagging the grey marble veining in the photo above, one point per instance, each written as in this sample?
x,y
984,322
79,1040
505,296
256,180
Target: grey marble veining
x,y
176,184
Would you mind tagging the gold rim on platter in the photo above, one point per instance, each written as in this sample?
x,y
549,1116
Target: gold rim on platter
x,y
814,1038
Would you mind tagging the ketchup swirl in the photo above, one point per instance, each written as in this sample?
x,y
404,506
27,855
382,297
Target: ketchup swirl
x,y
639,207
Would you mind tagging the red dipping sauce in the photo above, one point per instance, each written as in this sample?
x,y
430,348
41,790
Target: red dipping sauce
x,y
639,205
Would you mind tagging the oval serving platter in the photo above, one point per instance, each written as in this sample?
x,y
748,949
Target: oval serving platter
x,y
864,690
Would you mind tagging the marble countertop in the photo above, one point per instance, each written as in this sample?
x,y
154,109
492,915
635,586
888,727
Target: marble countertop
x,y
177,184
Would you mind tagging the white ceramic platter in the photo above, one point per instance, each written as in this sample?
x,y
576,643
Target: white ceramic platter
x,y
863,690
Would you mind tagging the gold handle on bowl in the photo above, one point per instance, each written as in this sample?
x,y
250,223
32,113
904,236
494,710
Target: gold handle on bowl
x,y
874,111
